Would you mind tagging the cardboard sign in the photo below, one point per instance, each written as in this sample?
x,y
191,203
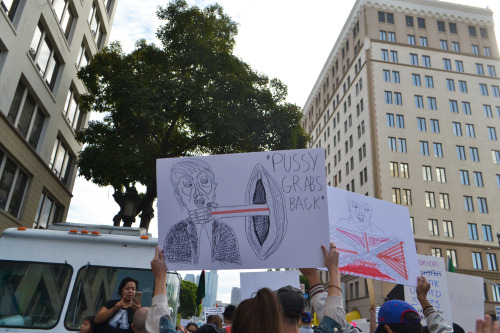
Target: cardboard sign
x,y
255,210
253,281
434,270
219,311
467,304
374,237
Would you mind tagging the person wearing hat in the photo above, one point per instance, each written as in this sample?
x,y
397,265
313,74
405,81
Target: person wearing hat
x,y
397,316
292,303
306,323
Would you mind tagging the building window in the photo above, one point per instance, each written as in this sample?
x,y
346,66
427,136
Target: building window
x,y
455,46
453,255
457,128
61,161
496,156
441,27
387,75
395,76
392,36
450,84
476,260
487,234
95,26
474,154
453,106
491,71
444,200
492,134
448,229
469,205
472,227
430,199
479,69
13,183
459,65
411,39
394,56
405,170
396,195
400,121
453,28
483,205
413,59
496,91
416,80
393,166
447,64
483,88
472,31
483,32
435,126
421,124
388,97
424,148
83,58
64,15
469,129
383,35
409,21
72,110
402,145
43,54
461,153
421,22
385,55
441,174
436,252
433,227
390,119
9,7
495,289
475,49
392,144
427,173
48,212
487,111
423,41
466,108
464,177
491,258
429,81
487,51
444,44
419,102
462,85
406,197
426,61
478,178
26,115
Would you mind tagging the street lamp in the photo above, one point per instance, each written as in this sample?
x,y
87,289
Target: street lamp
x,y
130,206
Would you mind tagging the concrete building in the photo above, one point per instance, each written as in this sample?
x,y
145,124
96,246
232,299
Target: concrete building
x,y
235,296
42,46
407,108
189,277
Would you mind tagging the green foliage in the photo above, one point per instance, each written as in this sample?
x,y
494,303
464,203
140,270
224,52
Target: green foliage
x,y
189,96
304,281
187,299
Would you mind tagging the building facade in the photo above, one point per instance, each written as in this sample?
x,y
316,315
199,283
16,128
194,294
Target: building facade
x,y
235,295
42,46
211,286
407,108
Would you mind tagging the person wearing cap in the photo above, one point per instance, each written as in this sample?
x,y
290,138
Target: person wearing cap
x,y
292,303
397,316
306,323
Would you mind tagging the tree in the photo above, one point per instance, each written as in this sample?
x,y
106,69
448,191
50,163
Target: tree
x,y
190,96
187,299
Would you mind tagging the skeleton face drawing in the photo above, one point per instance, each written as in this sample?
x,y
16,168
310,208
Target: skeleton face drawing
x,y
196,190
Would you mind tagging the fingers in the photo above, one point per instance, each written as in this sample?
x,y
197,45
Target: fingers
x,y
157,252
487,324
479,326
496,327
325,252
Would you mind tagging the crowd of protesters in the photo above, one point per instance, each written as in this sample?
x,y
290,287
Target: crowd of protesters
x,y
281,311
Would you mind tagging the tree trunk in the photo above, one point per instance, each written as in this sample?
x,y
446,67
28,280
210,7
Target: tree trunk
x,y
147,206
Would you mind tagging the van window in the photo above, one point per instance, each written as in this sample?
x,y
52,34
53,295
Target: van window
x,y
32,294
95,285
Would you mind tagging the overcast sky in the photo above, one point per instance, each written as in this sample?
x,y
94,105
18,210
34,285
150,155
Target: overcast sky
x,y
290,40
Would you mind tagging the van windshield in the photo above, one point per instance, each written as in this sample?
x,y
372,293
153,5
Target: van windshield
x,y
32,293
95,285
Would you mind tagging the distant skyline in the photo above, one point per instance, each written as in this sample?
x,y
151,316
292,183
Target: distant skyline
x,y
289,40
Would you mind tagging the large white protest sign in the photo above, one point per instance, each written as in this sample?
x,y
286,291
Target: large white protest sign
x,y
374,237
434,270
218,311
466,299
252,281
255,210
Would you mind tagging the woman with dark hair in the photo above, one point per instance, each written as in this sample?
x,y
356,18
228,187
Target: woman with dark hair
x,y
116,315
261,313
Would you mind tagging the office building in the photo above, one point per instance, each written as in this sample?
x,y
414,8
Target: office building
x,y
407,108
189,277
211,284
42,46
235,296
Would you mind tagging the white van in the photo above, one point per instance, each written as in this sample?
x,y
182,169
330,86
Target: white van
x,y
50,280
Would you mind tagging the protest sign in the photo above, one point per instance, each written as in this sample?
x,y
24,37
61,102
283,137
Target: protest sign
x,y
219,311
252,281
243,210
374,237
433,269
467,304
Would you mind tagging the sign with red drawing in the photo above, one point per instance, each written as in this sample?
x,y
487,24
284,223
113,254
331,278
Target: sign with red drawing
x,y
374,237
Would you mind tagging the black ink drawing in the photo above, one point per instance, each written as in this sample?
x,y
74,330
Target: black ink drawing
x,y
194,185
360,217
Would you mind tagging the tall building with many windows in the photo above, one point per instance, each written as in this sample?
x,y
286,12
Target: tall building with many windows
x,y
42,46
407,108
